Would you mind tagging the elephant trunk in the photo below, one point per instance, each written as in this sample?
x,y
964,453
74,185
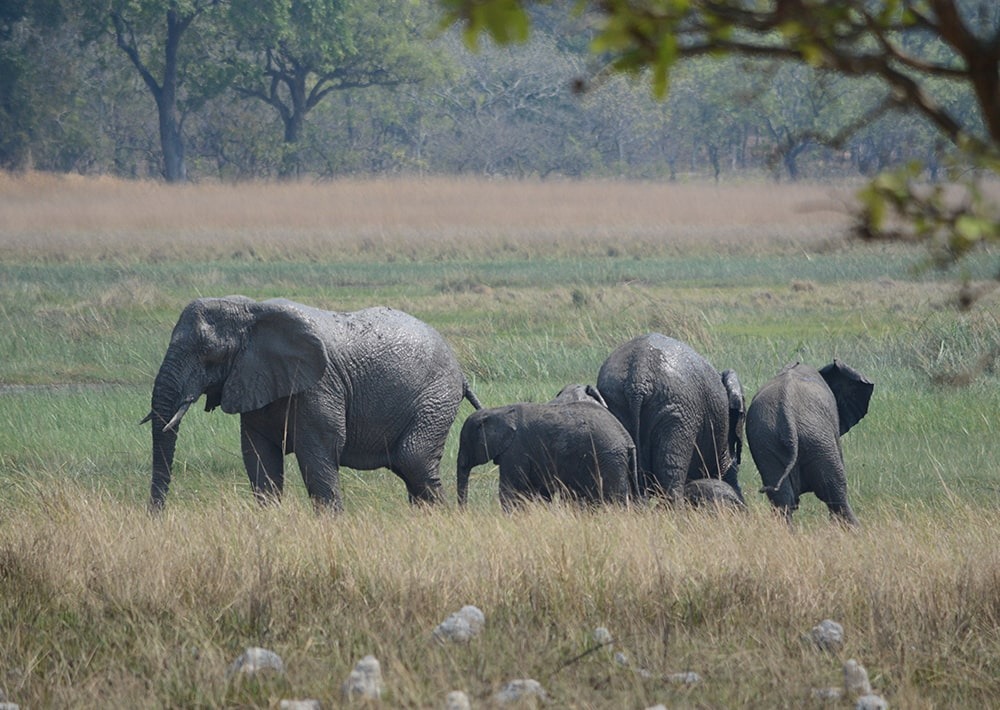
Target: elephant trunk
x,y
168,405
463,481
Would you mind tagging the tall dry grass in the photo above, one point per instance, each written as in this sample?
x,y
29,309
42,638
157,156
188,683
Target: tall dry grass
x,y
102,605
67,217
114,608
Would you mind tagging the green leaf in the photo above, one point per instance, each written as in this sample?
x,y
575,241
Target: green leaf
x,y
970,230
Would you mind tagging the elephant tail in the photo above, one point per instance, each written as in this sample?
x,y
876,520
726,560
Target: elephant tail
x,y
792,460
470,395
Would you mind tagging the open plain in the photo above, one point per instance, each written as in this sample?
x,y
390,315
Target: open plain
x,y
533,284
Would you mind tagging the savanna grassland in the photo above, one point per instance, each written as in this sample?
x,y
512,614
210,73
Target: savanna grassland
x,y
533,284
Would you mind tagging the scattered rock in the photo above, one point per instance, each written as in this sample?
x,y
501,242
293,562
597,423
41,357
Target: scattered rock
x,y
828,636
299,705
365,681
457,700
827,694
685,678
661,706
871,702
520,690
621,659
856,680
256,660
602,636
462,626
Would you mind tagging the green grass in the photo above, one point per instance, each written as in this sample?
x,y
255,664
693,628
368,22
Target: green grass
x,y
102,604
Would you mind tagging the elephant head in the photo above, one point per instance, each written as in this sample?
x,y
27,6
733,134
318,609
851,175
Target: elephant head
x,y
241,354
852,391
579,393
485,436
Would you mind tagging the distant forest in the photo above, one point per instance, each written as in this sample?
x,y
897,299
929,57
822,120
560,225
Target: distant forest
x,y
202,89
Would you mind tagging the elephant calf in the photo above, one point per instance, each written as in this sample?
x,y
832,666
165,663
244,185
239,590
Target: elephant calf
x,y
575,448
794,425
712,494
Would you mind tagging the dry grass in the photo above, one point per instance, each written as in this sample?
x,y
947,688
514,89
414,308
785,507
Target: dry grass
x,y
66,217
118,609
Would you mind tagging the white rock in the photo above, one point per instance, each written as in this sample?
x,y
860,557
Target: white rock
x,y
685,678
365,681
474,615
602,636
856,680
299,705
871,702
522,689
828,635
256,660
661,706
827,693
621,659
9,706
457,700
462,626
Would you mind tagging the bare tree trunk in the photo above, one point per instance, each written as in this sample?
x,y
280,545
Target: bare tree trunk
x,y
165,93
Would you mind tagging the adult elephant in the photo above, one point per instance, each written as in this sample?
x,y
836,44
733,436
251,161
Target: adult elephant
x,y
794,426
576,448
685,417
369,389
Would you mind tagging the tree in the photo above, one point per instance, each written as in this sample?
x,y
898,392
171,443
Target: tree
x,y
170,44
885,40
296,52
26,96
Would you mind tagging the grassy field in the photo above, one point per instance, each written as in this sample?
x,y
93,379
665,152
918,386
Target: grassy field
x,y
533,284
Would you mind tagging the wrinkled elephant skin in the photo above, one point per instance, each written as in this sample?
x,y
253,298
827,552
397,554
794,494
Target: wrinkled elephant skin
x,y
369,389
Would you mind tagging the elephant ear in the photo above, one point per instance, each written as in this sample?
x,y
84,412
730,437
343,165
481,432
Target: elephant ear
x,y
595,394
737,412
498,430
851,389
282,356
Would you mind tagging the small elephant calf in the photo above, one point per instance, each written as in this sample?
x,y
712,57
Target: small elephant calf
x,y
575,448
794,425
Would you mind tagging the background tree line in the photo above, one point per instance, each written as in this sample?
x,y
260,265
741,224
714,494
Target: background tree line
x,y
211,89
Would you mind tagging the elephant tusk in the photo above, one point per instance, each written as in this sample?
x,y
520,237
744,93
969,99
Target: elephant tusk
x,y
177,416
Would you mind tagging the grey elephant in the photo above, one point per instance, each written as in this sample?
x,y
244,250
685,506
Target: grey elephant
x,y
794,425
369,389
686,417
575,448
712,494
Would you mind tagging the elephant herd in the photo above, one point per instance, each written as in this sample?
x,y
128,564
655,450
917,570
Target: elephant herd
x,y
378,388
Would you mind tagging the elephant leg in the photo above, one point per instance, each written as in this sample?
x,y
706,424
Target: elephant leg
x,y
509,495
264,462
321,474
516,488
833,492
418,464
842,511
672,459
422,479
